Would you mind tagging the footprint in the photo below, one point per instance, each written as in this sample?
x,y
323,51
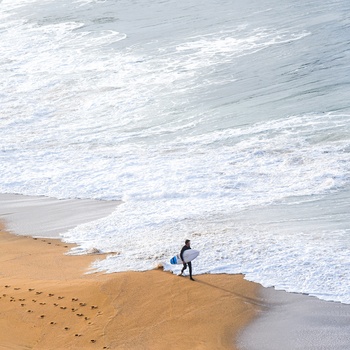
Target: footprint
x,y
78,335
93,341
42,303
66,328
42,316
75,299
29,311
51,295
55,304
23,305
31,289
38,293
60,297
7,286
52,322
80,315
63,307
17,288
94,307
82,304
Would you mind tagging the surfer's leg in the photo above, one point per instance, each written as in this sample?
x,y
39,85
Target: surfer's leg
x,y
190,266
183,269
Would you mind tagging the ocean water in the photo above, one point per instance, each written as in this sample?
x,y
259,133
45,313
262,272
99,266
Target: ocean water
x,y
226,123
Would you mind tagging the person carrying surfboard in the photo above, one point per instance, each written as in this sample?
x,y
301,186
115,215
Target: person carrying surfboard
x,y
185,247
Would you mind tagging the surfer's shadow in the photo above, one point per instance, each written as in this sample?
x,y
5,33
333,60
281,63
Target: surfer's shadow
x,y
238,295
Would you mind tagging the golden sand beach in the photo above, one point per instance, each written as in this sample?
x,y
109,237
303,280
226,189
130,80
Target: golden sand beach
x,y
48,301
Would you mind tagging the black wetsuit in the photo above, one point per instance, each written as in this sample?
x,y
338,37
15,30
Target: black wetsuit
x,y
185,247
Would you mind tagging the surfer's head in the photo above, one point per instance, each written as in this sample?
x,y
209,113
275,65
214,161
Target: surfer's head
x,y
187,242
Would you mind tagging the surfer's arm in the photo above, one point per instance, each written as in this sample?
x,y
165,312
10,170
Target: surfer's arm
x,y
182,252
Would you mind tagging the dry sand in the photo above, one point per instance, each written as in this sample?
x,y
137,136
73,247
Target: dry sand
x,y
48,302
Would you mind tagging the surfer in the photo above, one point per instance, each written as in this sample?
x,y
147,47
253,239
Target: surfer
x,y
185,247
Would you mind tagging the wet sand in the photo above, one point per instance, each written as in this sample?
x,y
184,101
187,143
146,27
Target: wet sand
x,y
292,321
50,217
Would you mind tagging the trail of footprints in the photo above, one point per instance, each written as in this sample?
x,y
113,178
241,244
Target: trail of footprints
x,y
78,308
56,244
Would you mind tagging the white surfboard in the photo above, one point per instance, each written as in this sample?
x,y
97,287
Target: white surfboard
x,y
189,255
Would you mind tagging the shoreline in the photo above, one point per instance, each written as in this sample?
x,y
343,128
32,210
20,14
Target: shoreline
x,y
48,302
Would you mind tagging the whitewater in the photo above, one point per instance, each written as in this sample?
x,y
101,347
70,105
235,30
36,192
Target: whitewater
x,y
227,124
